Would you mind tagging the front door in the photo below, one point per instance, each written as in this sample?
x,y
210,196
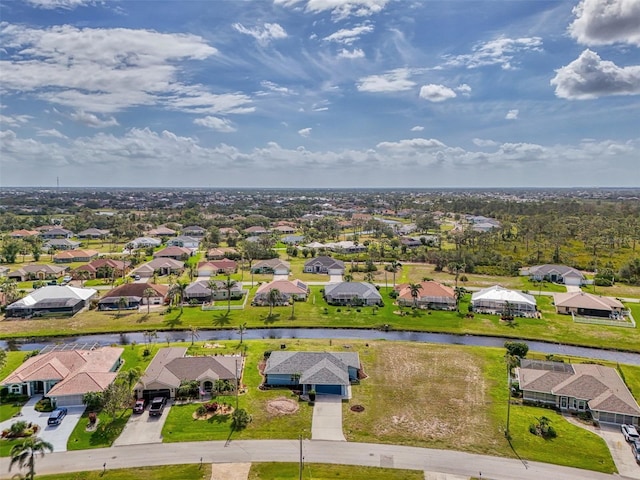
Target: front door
x,y
563,403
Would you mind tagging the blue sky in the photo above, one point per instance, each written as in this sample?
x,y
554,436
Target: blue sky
x,y
320,93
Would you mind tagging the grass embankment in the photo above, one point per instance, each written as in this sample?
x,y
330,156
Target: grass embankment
x,y
321,471
316,313
168,472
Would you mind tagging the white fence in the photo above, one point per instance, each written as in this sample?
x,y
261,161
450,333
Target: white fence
x,y
627,320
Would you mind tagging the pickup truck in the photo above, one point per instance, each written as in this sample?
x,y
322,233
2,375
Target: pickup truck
x,y
157,406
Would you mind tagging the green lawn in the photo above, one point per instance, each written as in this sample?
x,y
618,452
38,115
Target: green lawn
x,y
104,435
319,471
168,472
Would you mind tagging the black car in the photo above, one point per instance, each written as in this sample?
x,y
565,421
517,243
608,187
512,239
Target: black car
x,y
56,416
157,406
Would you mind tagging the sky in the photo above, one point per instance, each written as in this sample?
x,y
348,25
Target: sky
x,y
320,93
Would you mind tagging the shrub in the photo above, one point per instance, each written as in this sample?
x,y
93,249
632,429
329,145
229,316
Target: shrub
x,y
44,405
393,294
240,419
201,410
93,418
211,406
146,352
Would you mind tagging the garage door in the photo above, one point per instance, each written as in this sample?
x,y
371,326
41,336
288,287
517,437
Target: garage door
x,y
149,395
332,389
68,400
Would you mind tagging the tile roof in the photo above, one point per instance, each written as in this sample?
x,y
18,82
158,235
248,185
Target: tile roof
x,y
586,300
295,287
136,290
429,289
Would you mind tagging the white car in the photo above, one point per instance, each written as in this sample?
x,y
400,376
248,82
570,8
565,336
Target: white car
x,y
630,433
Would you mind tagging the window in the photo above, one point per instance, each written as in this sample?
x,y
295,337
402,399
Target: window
x,y
16,389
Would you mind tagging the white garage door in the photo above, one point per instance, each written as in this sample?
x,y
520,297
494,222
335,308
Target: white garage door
x,y
68,401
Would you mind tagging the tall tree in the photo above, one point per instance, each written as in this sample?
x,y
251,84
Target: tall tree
x,y
25,453
228,285
415,288
273,297
393,267
122,303
193,331
147,294
241,329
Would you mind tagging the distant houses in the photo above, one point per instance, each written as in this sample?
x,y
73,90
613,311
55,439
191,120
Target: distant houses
x,y
555,274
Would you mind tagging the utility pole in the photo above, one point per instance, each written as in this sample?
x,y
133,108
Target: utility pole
x,y
237,383
506,432
301,459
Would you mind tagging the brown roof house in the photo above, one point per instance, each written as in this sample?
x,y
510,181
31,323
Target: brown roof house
x,y
585,304
38,272
66,375
175,252
23,233
102,268
170,367
295,290
218,253
69,256
214,267
579,388
432,295
135,296
161,266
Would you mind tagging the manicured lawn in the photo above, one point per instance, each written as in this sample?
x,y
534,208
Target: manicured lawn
x,y
5,447
9,409
319,471
168,472
103,436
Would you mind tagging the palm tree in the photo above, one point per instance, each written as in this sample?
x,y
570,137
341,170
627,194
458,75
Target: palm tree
x,y
131,376
415,288
273,297
457,268
83,275
347,278
24,454
122,303
178,290
147,294
241,329
458,293
194,333
393,267
10,289
228,284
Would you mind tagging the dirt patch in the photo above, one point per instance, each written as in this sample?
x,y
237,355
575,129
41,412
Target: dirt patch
x,y
282,406
230,471
357,408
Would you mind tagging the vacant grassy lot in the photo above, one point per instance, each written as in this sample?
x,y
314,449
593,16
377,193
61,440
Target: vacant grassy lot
x,y
169,472
318,471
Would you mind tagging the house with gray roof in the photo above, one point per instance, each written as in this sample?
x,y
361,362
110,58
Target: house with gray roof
x,y
200,291
170,367
273,265
352,293
323,372
579,388
555,274
324,264
60,244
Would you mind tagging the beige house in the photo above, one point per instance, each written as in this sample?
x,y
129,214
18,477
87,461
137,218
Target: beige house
x,y
432,295
66,375
581,303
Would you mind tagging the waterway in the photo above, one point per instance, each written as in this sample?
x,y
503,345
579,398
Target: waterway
x,y
317,333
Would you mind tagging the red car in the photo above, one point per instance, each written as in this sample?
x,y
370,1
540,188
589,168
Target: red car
x,y
139,406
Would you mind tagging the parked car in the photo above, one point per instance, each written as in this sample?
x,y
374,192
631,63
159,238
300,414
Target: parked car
x,y
630,433
136,277
66,279
139,406
56,416
157,406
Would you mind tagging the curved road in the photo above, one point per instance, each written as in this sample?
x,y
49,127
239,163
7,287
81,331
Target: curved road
x,y
246,451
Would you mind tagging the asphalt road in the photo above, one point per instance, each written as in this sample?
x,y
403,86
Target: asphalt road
x,y
247,451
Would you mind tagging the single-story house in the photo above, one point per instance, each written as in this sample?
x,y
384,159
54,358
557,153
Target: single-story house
x,y
135,295
586,304
219,253
52,300
66,373
4,271
184,241
161,266
289,290
57,232
194,231
323,372
555,273
256,230
145,242
215,267
292,239
352,293
170,367
69,256
284,229
498,300
229,232
37,272
60,244
346,246
177,253
22,233
93,233
161,231
432,295
273,265
324,264
579,388
102,268
201,291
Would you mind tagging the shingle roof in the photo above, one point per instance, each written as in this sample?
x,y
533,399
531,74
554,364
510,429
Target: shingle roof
x,y
136,290
321,368
549,269
346,289
325,261
586,300
295,287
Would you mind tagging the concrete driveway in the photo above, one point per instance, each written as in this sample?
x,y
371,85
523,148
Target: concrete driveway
x,y
142,428
57,435
327,418
335,278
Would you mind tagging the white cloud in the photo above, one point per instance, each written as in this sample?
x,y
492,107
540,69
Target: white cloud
x,y
127,67
411,144
64,4
215,123
436,93
305,132
463,89
417,128
500,51
265,34
480,142
605,22
394,81
14,120
512,115
349,35
93,121
351,54
274,87
591,77
51,133
340,9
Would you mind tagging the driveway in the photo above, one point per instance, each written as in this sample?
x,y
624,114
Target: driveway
x,y
57,435
572,288
143,428
335,278
327,418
